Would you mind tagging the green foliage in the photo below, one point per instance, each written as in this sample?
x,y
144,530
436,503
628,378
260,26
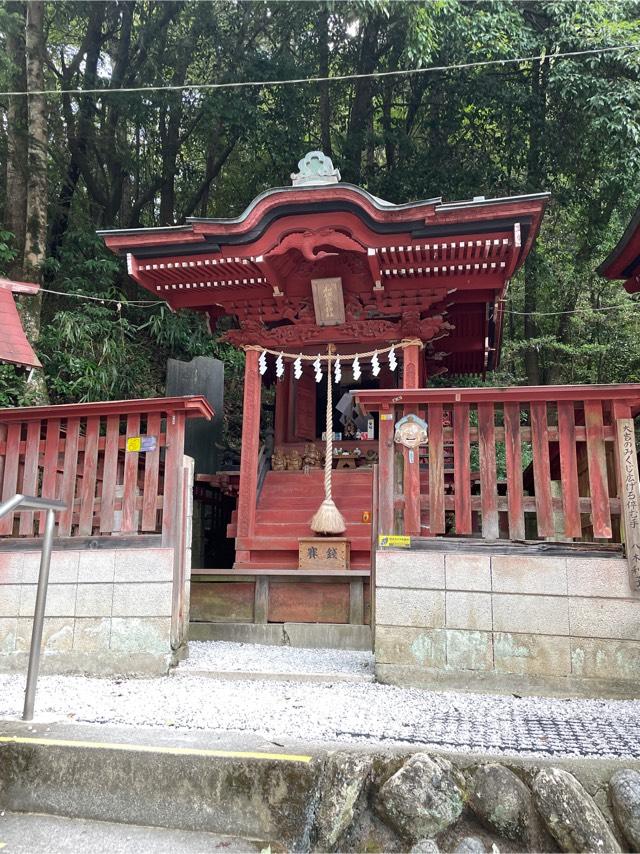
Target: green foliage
x,y
570,126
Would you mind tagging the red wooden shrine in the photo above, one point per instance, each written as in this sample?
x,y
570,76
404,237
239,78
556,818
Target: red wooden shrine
x,y
623,262
430,271
15,349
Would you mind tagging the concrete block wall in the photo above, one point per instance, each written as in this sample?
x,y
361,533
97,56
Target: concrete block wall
x,y
517,622
108,610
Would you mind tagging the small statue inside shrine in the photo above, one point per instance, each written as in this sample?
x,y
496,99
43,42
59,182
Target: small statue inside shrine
x,y
294,461
312,458
350,429
278,461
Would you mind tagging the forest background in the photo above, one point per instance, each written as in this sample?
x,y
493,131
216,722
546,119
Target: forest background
x,y
73,163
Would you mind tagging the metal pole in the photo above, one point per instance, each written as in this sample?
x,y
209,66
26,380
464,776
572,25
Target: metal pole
x,y
38,617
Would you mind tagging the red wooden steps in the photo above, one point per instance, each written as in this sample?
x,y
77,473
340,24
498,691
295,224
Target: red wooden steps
x,y
286,505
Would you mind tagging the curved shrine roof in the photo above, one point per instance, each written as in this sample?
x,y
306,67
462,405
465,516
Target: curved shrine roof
x,y
429,268
15,349
623,262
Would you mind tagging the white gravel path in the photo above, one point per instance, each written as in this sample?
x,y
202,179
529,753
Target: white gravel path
x,y
343,712
222,656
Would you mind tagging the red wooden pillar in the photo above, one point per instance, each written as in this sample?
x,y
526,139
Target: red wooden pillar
x,y
282,408
250,448
173,466
410,379
385,472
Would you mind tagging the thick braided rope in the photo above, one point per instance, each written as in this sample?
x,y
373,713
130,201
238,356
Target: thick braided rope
x,y
328,460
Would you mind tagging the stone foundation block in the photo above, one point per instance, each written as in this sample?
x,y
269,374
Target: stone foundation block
x,y
148,565
468,572
469,650
97,565
8,631
63,569
11,567
57,634
9,600
61,600
142,600
94,600
605,618
399,569
91,634
415,647
605,659
532,655
469,610
425,608
527,574
149,635
547,615
598,577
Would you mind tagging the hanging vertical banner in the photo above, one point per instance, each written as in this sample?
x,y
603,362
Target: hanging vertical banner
x,y
375,364
279,366
393,362
297,368
262,363
338,370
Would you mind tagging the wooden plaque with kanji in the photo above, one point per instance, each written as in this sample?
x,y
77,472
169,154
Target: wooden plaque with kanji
x,y
323,553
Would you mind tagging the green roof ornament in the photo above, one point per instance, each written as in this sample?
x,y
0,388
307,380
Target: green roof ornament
x,y
315,168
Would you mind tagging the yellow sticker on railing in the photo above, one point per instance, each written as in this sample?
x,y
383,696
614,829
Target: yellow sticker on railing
x,y
134,443
390,540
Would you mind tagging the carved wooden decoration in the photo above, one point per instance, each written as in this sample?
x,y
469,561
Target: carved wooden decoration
x,y
328,301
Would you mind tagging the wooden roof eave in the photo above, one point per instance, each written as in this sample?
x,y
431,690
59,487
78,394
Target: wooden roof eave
x,y
621,262
429,212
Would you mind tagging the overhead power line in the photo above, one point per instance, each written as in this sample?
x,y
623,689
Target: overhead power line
x,y
146,303
570,311
242,84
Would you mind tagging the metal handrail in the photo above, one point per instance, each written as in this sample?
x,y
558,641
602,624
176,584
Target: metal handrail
x,y
32,502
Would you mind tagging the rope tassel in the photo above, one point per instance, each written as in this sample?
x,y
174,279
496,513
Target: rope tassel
x,y
328,519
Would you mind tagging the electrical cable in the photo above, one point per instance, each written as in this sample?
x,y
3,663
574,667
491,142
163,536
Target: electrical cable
x,y
458,66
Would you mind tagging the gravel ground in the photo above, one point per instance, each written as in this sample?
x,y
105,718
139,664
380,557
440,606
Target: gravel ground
x,y
222,656
343,712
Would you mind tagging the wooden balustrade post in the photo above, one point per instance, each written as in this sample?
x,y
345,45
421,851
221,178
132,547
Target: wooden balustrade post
x,y
410,379
248,487
628,488
385,472
173,466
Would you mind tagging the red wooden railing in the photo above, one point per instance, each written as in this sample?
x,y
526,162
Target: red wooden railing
x,y
78,453
511,463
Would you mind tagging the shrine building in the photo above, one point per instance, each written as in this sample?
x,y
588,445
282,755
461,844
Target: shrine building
x,y
475,536
322,263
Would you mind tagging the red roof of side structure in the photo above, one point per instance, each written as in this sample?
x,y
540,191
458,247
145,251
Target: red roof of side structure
x,y
623,262
429,269
14,347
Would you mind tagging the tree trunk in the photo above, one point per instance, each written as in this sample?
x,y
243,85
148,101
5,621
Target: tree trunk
x,y
36,230
170,122
15,213
79,134
361,105
323,70
214,165
535,180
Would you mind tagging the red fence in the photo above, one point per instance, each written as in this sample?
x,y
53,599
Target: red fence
x,y
512,463
117,465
